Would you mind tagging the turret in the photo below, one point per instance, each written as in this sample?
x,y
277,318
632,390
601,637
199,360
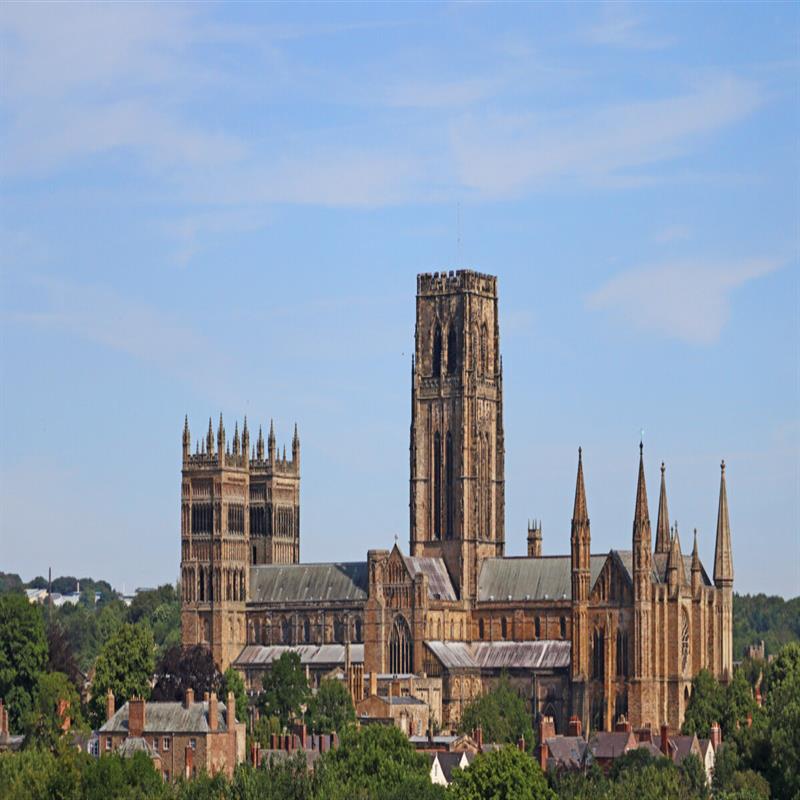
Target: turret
x,y
642,560
697,570
271,443
676,575
260,445
296,448
245,443
221,441
723,556
210,438
236,441
662,527
534,539
187,438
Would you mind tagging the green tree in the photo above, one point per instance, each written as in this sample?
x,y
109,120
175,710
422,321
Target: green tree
x,y
501,713
726,762
232,682
125,665
705,705
286,691
180,669
694,777
507,774
375,763
331,708
23,655
113,776
55,702
659,780
783,708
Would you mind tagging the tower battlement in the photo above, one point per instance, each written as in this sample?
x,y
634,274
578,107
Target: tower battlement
x,y
462,280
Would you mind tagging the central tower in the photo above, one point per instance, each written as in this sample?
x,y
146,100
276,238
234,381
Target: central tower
x,y
457,450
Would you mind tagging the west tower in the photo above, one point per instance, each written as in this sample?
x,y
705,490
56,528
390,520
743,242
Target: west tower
x,y
457,449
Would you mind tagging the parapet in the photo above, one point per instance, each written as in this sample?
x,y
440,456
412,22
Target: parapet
x,y
462,280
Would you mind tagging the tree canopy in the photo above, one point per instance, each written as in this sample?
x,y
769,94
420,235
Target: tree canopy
x,y
506,774
232,682
180,669
501,713
331,708
286,693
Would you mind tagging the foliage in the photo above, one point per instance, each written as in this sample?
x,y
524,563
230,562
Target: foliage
x,y
60,657
694,777
705,705
331,708
23,655
232,681
56,708
264,728
286,691
757,617
506,774
501,713
783,708
181,669
375,762
125,664
10,582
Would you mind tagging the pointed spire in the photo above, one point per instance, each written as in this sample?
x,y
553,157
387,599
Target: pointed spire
x,y
236,440
675,570
723,556
662,528
187,438
579,511
260,445
641,514
697,569
284,454
210,438
271,442
245,441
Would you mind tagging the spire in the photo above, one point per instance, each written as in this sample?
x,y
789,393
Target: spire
x,y
260,445
641,514
642,557
296,447
271,441
221,440
723,557
579,512
236,440
662,528
676,575
695,554
245,440
210,438
187,437
697,570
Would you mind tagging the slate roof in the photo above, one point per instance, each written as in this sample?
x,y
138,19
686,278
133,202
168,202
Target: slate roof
x,y
169,717
659,574
682,746
450,761
404,700
568,752
308,583
545,578
255,655
651,749
611,744
541,654
440,587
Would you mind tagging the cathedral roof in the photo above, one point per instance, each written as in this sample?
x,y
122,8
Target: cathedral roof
x,y
256,655
440,587
660,566
544,578
541,654
306,583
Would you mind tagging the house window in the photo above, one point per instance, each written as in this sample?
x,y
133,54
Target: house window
x,y
108,742
193,744
537,627
165,744
155,743
480,629
504,628
563,622
166,776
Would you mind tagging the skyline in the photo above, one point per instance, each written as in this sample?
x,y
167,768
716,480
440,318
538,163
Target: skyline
x,y
212,209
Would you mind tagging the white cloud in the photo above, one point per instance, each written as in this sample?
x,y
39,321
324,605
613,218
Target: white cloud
x,y
686,300
619,28
673,233
506,154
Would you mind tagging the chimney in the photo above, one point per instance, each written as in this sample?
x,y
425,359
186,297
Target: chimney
x,y
188,761
188,698
623,726
230,715
574,728
212,711
373,683
109,704
547,728
479,738
136,716
645,733
716,736
665,739
544,754
395,692
63,714
521,744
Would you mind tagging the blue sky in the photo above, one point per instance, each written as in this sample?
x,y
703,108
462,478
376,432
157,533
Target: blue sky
x,y
212,208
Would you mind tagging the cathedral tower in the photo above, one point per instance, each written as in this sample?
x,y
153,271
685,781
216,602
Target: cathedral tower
x,y
581,564
723,580
457,450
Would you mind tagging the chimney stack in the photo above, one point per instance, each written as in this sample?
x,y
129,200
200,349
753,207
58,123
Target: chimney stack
x,y
716,735
188,762
479,737
136,710
231,711
665,739
575,727
110,709
373,683
547,728
544,754
521,744
623,726
212,711
188,698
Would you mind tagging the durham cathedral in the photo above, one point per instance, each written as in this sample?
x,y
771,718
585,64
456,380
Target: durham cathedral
x,y
420,634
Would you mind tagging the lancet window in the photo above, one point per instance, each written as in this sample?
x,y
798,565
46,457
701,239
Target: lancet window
x,y
401,647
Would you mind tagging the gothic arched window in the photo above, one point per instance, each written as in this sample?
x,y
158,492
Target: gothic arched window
x,y
563,625
401,647
357,630
484,368
452,351
537,628
448,471
437,486
504,628
436,356
480,629
622,654
684,640
286,631
598,655
306,631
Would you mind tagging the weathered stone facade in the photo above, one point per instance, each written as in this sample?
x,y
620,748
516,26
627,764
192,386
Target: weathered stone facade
x,y
592,635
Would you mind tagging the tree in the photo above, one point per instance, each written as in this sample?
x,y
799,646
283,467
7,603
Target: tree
x,y
507,774
286,691
783,707
181,669
10,582
114,776
23,655
726,762
705,705
376,762
331,708
694,776
60,657
56,709
232,682
502,715
125,665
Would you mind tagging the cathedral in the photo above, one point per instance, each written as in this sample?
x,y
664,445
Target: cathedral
x,y
592,635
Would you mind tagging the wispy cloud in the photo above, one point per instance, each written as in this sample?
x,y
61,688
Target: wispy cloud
x,y
619,27
506,154
672,233
685,300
